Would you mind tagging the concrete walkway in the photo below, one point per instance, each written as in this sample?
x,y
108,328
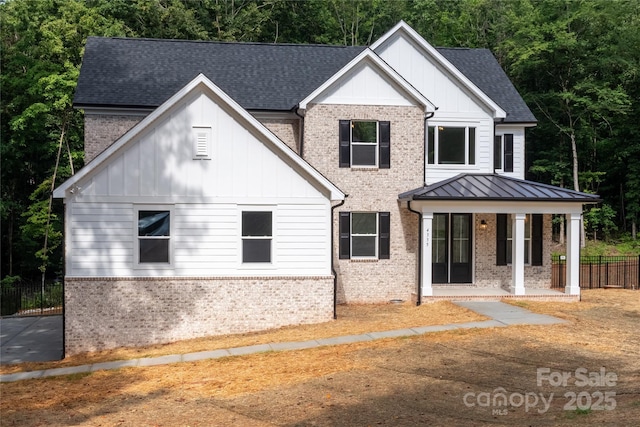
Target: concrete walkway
x,y
502,315
30,339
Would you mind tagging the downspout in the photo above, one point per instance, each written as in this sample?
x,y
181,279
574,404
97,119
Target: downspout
x,y
301,132
424,183
333,269
419,251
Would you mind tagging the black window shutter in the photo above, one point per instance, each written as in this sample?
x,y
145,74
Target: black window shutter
x,y
344,235
384,237
508,152
497,152
345,143
501,239
385,145
536,239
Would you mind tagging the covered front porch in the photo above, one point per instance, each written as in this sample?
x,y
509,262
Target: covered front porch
x,y
482,238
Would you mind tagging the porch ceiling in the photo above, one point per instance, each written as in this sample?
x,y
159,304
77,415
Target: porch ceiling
x,y
494,187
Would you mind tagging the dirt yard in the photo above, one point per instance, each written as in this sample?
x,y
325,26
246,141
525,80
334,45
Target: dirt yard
x,y
584,372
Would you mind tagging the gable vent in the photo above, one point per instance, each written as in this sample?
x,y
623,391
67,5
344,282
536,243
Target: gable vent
x,y
202,143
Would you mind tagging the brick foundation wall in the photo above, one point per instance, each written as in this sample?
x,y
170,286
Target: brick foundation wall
x,y
489,275
373,190
104,313
102,130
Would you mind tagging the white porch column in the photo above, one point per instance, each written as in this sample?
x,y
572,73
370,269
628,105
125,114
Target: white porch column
x,y
427,250
573,254
517,254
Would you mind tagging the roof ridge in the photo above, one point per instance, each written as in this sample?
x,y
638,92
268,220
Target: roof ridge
x,y
229,42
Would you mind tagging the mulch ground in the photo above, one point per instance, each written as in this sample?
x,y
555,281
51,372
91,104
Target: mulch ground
x,y
448,378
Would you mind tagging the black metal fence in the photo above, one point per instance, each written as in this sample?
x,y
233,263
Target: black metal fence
x,y
30,299
600,272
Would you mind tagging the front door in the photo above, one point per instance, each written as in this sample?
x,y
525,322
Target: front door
x,y
452,248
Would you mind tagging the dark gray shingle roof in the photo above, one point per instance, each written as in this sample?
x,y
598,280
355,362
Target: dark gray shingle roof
x,y
123,72
482,68
146,72
496,187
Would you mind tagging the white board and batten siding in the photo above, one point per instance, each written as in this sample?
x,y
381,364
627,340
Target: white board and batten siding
x,y
162,168
518,133
457,106
364,85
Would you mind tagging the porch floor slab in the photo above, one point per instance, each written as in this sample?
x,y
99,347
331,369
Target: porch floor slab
x,y
465,293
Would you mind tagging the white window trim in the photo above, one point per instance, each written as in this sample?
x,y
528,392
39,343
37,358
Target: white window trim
x,y
377,236
257,265
377,145
136,238
436,154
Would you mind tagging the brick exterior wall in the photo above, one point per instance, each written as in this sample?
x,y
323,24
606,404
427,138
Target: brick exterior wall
x,y
288,130
104,313
102,130
489,275
373,190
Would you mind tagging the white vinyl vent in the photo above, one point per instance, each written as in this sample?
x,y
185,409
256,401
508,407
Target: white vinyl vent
x,y
202,142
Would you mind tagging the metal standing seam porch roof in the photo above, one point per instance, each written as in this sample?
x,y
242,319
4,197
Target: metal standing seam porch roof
x,y
488,187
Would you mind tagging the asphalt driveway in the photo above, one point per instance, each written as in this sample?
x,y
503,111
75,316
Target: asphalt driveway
x,y
30,339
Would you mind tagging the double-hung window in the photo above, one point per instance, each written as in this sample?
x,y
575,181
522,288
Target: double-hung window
x,y
503,153
451,145
154,237
365,143
364,235
532,239
257,236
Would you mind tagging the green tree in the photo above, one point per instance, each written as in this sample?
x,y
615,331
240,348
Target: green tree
x,y
42,46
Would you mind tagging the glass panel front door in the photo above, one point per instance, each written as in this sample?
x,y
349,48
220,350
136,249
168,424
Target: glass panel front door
x,y
452,250
440,256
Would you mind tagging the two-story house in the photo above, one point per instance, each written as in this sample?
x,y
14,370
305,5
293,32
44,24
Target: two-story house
x,y
232,187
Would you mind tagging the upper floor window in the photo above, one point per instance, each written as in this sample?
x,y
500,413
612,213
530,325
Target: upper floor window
x,y
154,236
503,152
451,145
365,144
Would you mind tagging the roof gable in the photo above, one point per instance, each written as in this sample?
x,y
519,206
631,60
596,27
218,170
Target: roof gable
x,y
476,70
198,87
369,61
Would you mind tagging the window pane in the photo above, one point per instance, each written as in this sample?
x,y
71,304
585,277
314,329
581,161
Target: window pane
x,y
154,250
364,132
460,251
153,223
439,254
363,155
256,223
460,244
451,145
363,246
256,250
472,146
431,145
363,223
